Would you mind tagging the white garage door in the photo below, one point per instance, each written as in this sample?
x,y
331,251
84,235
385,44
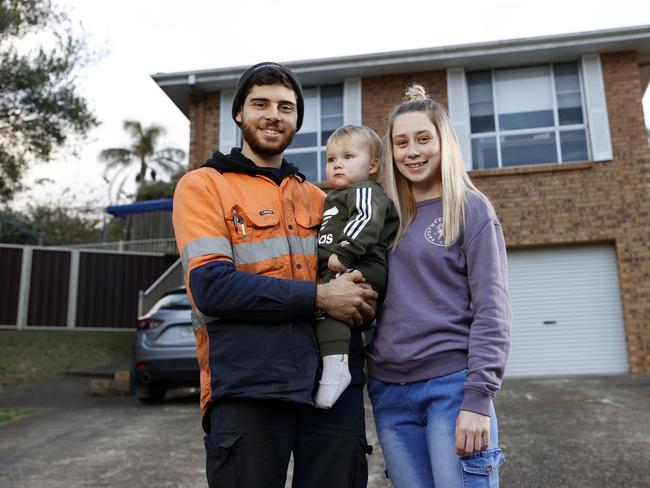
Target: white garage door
x,y
567,314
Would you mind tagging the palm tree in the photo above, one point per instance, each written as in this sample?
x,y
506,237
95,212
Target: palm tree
x,y
144,152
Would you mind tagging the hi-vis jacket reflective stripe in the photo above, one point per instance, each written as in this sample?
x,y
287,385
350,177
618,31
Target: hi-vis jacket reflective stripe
x,y
262,228
250,221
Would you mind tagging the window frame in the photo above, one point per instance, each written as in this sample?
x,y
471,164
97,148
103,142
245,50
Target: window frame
x,y
556,129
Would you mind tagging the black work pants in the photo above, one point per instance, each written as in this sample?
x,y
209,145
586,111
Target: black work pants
x,y
250,442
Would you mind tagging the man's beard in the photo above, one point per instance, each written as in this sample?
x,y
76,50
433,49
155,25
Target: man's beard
x,y
258,146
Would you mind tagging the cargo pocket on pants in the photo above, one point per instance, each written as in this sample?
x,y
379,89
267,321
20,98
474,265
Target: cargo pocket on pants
x,y
221,457
482,469
360,479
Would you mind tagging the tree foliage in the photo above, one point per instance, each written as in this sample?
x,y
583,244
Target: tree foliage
x,y
49,225
40,107
64,218
144,154
58,225
15,228
155,190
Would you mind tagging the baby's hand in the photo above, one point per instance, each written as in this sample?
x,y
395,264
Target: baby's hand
x,y
334,264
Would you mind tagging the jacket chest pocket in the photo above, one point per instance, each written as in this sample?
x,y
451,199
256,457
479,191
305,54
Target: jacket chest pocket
x,y
305,240
255,236
309,220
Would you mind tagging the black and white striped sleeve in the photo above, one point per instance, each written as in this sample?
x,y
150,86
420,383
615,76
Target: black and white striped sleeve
x,y
367,205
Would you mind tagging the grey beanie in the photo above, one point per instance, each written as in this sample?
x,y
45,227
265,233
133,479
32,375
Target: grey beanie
x,y
244,81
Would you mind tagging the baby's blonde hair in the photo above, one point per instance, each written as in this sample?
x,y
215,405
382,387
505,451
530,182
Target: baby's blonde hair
x,y
369,137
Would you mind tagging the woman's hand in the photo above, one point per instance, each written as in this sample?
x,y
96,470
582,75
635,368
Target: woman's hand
x,y
472,433
334,264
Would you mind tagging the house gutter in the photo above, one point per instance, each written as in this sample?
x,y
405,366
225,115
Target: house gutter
x,y
493,54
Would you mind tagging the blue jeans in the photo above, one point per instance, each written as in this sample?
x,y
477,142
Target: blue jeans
x,y
416,425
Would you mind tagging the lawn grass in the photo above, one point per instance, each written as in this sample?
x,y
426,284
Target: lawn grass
x,y
28,356
7,414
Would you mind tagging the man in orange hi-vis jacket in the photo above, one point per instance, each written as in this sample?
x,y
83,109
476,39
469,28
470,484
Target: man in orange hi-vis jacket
x,y
246,226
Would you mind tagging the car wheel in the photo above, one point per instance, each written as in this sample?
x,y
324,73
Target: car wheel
x,y
150,393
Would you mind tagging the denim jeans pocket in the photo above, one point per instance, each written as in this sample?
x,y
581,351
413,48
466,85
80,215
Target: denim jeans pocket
x,y
221,458
481,469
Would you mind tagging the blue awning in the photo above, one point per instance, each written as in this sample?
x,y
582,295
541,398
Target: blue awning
x,y
144,206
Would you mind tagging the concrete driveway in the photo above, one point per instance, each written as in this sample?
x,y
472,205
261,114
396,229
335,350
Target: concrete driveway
x,y
591,432
76,440
564,432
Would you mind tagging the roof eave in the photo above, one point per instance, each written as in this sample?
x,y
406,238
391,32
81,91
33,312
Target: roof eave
x,y
179,86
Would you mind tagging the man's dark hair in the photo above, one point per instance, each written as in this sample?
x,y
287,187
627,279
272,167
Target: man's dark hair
x,y
270,76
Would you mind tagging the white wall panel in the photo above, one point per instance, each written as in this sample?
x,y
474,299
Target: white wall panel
x,y
458,102
601,141
352,101
227,126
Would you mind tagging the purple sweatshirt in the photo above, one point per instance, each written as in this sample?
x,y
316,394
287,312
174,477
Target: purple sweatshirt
x,y
446,309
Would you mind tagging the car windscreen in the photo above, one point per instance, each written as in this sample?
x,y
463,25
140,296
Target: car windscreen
x,y
174,301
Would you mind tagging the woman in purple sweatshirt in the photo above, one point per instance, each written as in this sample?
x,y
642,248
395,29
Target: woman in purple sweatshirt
x,y
443,332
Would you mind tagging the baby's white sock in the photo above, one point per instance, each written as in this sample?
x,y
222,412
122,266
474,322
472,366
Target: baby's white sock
x,y
334,380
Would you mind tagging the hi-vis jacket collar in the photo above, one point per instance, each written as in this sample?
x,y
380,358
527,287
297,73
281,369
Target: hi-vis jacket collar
x,y
236,162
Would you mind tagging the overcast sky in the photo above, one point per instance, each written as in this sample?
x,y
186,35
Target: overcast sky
x,y
142,37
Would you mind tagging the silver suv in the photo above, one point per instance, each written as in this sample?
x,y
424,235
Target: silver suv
x,y
164,348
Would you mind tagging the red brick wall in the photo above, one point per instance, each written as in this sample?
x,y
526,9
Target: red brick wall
x,y
623,92
381,93
204,127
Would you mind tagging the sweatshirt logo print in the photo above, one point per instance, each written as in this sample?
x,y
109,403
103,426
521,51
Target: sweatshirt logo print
x,y
433,233
327,215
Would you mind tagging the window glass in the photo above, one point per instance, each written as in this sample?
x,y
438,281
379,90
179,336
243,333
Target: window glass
x,y
528,149
524,98
331,110
484,152
566,77
481,106
569,108
323,164
173,301
308,135
574,145
331,100
567,87
307,162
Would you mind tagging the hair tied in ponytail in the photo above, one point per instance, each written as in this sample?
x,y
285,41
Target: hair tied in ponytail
x,y
416,92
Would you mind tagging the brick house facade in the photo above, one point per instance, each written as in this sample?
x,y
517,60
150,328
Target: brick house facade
x,y
541,205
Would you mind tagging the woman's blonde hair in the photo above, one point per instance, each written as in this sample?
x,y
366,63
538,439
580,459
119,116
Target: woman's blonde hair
x,y
456,184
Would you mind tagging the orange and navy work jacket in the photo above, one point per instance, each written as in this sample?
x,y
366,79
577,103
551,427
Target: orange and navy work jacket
x,y
255,340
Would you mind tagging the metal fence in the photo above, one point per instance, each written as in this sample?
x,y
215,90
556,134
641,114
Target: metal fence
x,y
70,288
170,279
164,246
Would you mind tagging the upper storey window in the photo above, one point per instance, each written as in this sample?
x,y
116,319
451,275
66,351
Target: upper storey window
x,y
526,116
